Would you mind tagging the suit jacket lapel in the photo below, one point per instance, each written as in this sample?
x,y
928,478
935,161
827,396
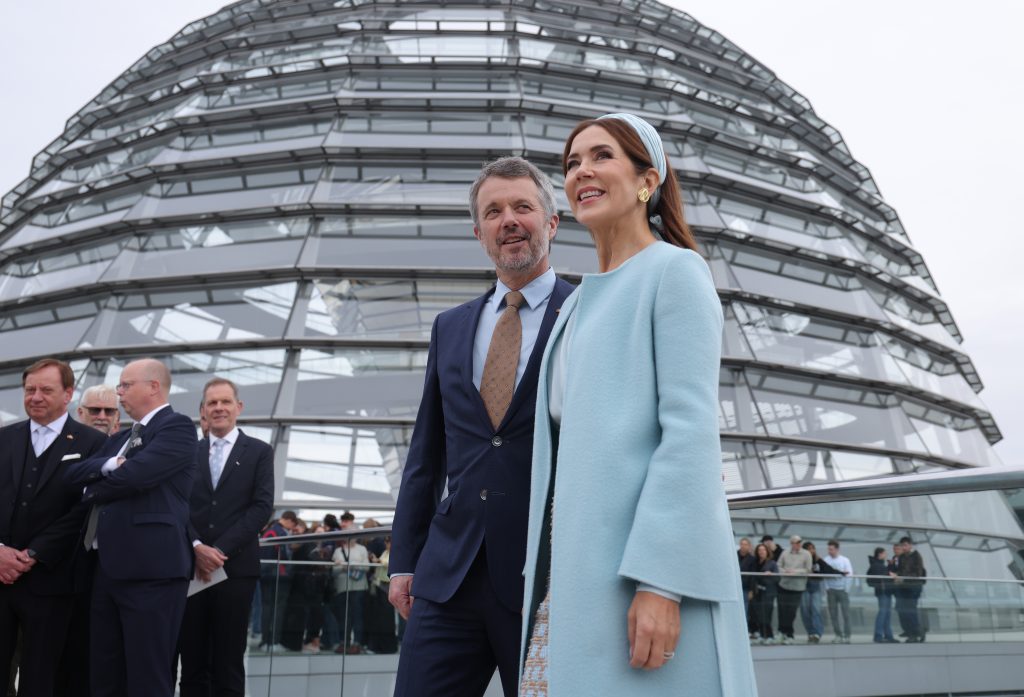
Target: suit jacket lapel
x,y
232,459
58,450
470,320
527,386
22,441
203,460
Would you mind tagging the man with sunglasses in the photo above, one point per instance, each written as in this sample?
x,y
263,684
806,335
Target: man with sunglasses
x,y
99,409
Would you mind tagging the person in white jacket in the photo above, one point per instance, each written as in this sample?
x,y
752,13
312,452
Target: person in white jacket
x,y
350,584
838,590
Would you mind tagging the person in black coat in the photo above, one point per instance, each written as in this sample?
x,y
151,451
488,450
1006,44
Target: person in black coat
x,y
40,521
231,501
748,564
138,486
879,569
766,588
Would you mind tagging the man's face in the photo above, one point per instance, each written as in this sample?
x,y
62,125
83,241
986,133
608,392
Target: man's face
x,y
833,551
514,230
46,399
795,545
221,409
347,524
907,547
138,396
101,413
744,547
288,525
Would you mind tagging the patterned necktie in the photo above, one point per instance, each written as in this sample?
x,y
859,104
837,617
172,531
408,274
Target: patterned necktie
x,y
217,460
499,377
94,514
38,440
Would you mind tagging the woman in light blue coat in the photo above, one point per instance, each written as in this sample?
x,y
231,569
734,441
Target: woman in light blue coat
x,y
632,586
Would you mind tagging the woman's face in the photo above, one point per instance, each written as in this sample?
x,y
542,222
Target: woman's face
x,y
601,182
762,552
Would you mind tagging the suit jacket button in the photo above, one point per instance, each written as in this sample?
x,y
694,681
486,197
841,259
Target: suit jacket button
x,y
483,494
497,441
211,525
24,503
214,503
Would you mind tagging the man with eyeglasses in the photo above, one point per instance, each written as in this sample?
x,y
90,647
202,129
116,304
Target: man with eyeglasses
x,y
98,408
40,520
138,486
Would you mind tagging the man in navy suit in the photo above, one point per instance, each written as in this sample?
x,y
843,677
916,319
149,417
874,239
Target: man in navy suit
x,y
40,520
461,558
231,501
138,486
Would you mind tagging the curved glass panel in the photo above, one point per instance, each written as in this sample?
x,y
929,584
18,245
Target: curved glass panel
x,y
211,249
191,316
345,463
792,406
392,309
359,382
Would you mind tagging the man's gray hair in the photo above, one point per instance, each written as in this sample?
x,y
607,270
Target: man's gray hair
x,y
98,391
513,168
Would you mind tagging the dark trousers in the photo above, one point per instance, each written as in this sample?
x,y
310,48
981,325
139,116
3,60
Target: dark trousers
x,y
212,641
764,603
133,634
906,608
274,591
883,620
43,621
789,603
72,677
452,648
348,612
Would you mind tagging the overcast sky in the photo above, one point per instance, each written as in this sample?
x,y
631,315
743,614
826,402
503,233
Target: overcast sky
x,y
928,95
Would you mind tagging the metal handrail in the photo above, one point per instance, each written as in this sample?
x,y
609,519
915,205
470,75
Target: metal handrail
x,y
325,536
955,482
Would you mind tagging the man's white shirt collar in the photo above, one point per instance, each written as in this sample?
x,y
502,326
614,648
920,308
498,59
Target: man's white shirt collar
x,y
149,417
534,292
231,437
57,425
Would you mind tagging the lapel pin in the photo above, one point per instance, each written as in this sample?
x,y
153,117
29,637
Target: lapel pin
x,y
70,437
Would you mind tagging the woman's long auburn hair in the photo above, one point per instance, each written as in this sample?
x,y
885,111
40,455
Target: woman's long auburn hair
x,y
674,229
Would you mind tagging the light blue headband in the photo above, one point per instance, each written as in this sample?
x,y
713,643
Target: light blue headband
x,y
652,143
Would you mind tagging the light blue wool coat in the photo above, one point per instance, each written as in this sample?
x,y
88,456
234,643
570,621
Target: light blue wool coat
x,y
638,493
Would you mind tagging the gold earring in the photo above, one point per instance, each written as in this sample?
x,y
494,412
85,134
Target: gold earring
x,y
643,194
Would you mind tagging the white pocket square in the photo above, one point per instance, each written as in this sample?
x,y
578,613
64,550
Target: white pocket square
x,y
71,456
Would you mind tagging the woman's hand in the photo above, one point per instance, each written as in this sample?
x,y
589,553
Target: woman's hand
x,y
653,623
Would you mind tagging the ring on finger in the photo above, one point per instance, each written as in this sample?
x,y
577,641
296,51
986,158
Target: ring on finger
x,y
668,655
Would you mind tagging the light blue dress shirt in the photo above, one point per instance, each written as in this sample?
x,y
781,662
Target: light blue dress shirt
x,y
536,294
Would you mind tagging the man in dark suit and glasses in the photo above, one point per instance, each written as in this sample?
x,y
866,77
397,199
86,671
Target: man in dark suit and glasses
x,y
231,501
462,557
138,486
40,520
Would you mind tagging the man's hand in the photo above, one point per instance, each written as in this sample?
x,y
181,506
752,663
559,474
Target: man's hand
x,y
208,560
398,595
653,627
13,563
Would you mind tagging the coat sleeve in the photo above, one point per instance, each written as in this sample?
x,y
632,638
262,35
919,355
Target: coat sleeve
x,y
424,473
172,449
682,497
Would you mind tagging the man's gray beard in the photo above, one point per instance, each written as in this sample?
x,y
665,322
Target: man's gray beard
x,y
524,263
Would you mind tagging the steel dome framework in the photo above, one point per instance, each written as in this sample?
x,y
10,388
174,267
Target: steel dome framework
x,y
278,195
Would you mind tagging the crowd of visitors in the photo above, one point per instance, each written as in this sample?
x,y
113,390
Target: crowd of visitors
x,y
797,578
316,608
